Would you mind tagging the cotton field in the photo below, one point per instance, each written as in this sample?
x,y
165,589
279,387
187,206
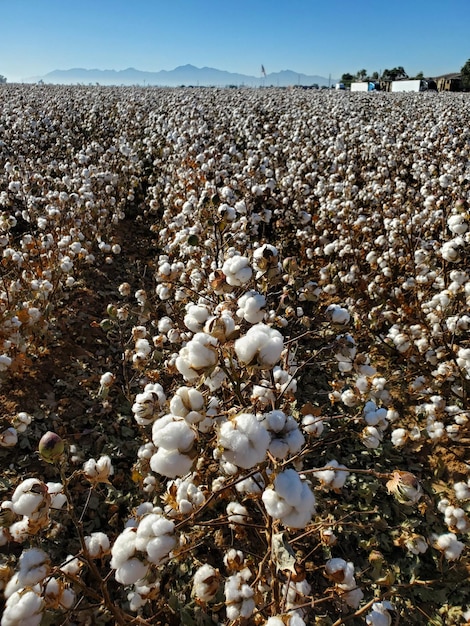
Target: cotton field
x,y
234,357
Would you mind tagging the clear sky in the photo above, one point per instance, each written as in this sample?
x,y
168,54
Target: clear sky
x,y
306,36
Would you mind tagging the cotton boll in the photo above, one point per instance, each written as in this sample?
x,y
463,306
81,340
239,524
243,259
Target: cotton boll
x,y
334,477
131,571
148,404
290,500
9,437
34,566
23,608
237,270
399,437
221,326
262,345
380,616
171,463
195,317
340,571
244,440
31,499
173,433
449,545
265,261
239,596
205,583
189,404
123,548
462,490
313,425
457,223
198,356
98,471
236,514
286,438
371,437
338,314
251,307
97,545
58,497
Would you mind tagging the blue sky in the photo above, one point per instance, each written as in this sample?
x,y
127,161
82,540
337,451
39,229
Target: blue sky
x,y
307,36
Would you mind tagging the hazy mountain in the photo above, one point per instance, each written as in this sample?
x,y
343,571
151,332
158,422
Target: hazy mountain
x,y
182,75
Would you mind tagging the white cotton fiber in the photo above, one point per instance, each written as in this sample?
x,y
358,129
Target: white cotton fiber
x,y
131,571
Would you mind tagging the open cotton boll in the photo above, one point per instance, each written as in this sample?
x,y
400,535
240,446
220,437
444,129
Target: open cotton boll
x,y
173,433
237,270
159,548
262,345
337,314
290,500
59,595
34,566
131,571
31,498
205,583
380,616
266,261
334,477
236,513
148,404
195,317
23,608
58,497
197,356
449,545
123,547
457,223
98,471
251,307
189,404
188,496
286,437
171,463
262,394
97,544
244,440
239,595
313,425
222,326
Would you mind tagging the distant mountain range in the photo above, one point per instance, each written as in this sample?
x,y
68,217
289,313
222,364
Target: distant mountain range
x,y
182,75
